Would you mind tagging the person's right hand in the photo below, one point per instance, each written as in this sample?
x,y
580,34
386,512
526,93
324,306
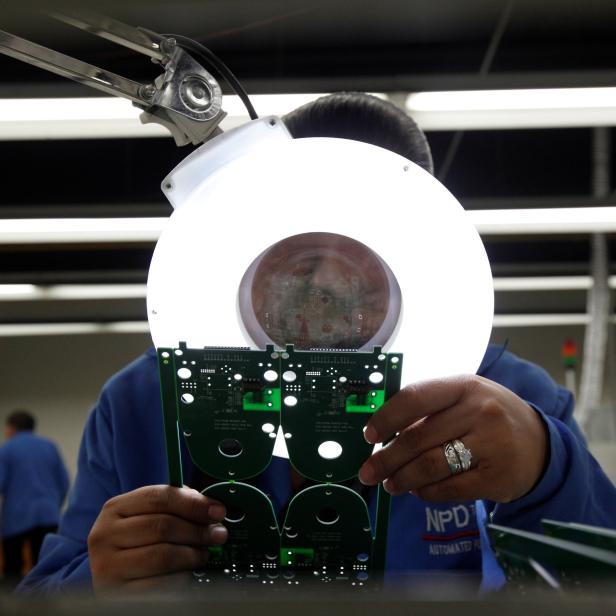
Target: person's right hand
x,y
151,533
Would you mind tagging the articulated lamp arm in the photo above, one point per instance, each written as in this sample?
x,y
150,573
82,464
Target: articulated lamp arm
x,y
185,98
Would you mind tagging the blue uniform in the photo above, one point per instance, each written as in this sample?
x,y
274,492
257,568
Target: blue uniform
x,y
123,448
33,483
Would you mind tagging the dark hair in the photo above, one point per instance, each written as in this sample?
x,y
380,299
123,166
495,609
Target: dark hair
x,y
21,420
362,117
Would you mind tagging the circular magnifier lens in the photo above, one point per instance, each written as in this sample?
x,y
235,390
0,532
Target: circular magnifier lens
x,y
319,290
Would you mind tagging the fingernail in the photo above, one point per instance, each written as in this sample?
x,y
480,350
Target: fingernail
x,y
388,486
370,434
218,533
217,512
366,475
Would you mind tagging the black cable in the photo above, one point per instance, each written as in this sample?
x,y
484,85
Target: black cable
x,y
211,58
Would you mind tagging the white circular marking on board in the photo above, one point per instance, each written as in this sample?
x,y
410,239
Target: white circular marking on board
x,y
376,377
270,376
290,400
330,450
184,373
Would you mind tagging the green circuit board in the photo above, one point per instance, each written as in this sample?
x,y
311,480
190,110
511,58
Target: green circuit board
x,y
568,557
228,406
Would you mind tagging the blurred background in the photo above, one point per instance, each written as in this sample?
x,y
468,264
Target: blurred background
x,y
536,173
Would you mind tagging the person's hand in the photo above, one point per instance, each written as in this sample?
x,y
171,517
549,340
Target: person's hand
x,y
507,438
152,533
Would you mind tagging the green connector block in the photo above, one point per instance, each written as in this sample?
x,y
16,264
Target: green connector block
x,y
375,399
271,400
291,557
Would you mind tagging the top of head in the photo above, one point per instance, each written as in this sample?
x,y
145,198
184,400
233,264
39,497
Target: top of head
x,y
362,117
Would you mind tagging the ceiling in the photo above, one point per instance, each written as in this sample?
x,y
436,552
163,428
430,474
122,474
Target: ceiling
x,y
315,46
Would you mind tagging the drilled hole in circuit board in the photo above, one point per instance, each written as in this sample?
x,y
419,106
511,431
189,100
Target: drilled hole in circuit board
x,y
362,557
289,376
234,514
230,447
270,375
330,450
184,373
376,378
187,398
268,428
327,516
290,400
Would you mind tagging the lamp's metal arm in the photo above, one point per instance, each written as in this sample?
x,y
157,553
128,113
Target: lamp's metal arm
x,y
186,98
115,31
64,65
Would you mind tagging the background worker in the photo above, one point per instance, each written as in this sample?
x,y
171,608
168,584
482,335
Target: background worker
x,y
33,484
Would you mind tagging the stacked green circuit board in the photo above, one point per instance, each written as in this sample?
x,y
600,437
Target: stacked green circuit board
x,y
228,406
567,557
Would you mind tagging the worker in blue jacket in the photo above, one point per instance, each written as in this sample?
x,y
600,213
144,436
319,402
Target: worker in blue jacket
x,y
33,485
501,444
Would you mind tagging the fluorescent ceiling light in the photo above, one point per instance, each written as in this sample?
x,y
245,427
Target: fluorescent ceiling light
x,y
503,109
70,292
547,283
545,220
513,100
112,230
80,230
540,320
109,117
64,292
14,291
69,329
141,327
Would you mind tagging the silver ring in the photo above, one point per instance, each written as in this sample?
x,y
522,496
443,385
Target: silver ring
x,y
452,458
464,454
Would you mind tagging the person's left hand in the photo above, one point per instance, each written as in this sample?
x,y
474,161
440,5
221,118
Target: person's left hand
x,y
507,438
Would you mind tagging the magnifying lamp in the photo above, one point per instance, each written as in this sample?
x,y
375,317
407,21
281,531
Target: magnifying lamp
x,y
318,242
